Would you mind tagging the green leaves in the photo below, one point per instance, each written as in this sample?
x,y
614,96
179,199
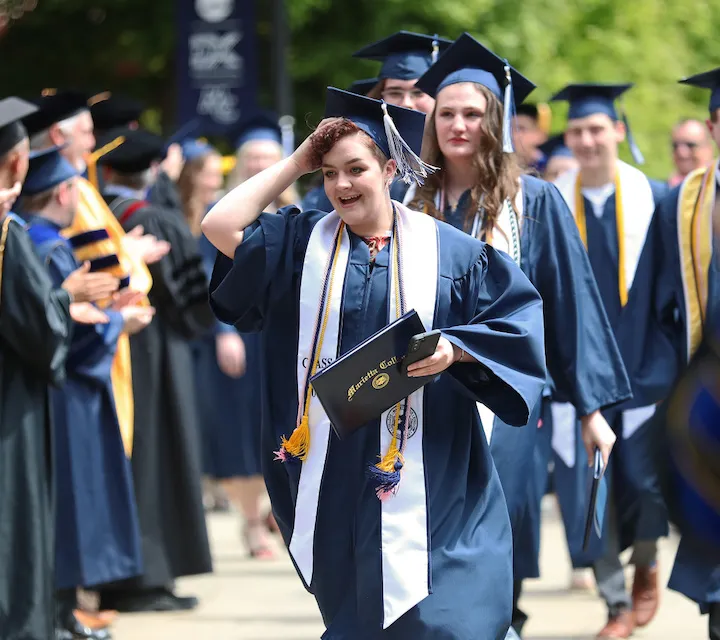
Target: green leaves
x,y
128,45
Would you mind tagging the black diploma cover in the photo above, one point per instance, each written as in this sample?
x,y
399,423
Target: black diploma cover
x,y
366,381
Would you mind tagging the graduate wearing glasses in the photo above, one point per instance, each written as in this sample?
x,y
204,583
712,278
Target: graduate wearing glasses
x,y
392,528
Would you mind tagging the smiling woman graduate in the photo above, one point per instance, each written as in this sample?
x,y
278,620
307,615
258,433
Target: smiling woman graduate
x,y
404,566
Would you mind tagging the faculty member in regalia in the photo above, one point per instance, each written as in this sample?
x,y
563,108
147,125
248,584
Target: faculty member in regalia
x,y
401,530
97,539
481,191
35,328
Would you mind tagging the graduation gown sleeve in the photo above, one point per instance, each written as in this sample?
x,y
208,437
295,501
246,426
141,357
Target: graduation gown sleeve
x,y
243,289
34,315
505,336
583,358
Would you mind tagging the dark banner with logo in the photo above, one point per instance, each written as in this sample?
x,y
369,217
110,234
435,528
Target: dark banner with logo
x,y
217,74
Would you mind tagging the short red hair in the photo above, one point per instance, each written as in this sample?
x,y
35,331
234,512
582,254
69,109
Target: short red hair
x,y
321,143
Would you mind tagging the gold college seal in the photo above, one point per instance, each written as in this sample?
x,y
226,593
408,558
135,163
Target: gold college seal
x,y
381,380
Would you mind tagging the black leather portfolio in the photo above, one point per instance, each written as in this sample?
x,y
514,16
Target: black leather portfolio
x,y
366,381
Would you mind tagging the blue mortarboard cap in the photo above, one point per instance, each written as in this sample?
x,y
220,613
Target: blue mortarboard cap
x,y
261,125
707,80
12,131
185,132
363,87
405,55
47,169
555,146
589,99
469,61
193,148
135,152
396,130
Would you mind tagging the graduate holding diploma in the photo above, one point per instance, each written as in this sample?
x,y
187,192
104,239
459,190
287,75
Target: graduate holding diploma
x,y
391,528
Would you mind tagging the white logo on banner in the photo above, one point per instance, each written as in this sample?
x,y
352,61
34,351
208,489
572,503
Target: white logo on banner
x,y
215,51
214,10
220,104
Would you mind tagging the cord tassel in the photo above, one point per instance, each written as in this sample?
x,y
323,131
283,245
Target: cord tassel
x,y
409,165
508,109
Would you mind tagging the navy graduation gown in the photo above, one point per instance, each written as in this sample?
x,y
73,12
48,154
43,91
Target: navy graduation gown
x,y
661,305
229,409
583,359
470,537
631,471
97,537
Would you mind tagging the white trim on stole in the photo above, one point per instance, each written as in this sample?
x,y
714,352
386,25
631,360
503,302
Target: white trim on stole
x,y
404,533
501,243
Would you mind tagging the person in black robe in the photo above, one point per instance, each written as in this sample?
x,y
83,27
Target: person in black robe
x,y
93,482
166,456
35,320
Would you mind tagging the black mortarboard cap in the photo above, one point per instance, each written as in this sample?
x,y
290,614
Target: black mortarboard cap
x,y
12,131
135,151
55,106
113,110
405,55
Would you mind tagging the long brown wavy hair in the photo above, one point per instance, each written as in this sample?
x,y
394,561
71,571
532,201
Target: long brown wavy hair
x,y
498,173
193,210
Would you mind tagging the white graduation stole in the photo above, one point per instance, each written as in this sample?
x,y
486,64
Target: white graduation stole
x,y
404,533
638,204
507,240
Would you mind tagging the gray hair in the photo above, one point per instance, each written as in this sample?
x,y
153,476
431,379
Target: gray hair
x,y
41,139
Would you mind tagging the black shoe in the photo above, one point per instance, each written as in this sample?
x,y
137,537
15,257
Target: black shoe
x,y
156,600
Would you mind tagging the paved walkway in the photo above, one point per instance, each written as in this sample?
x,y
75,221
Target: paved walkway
x,y
249,600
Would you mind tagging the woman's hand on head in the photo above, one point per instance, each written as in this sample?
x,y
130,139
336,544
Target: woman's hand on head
x,y
304,156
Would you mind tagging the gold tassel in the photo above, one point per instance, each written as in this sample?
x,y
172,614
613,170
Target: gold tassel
x,y
387,464
544,117
298,444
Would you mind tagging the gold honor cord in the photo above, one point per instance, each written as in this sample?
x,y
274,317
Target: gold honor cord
x,y
387,462
581,221
298,444
699,252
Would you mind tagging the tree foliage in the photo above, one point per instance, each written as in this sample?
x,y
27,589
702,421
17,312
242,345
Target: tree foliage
x,y
128,45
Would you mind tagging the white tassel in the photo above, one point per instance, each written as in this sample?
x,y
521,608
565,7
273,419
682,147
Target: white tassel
x,y
507,113
410,166
435,50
